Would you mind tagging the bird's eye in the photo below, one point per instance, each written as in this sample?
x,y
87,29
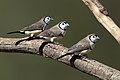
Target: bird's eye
x,y
93,36
48,18
63,23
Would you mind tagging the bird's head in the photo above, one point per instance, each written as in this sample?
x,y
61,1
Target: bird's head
x,y
93,37
63,25
47,19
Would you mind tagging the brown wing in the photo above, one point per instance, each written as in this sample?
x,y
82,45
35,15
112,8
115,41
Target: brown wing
x,y
35,26
50,33
80,46
75,48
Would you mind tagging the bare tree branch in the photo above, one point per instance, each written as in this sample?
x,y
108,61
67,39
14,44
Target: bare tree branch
x,y
100,12
53,51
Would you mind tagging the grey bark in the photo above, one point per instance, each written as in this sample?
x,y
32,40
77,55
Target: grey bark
x,y
101,14
53,51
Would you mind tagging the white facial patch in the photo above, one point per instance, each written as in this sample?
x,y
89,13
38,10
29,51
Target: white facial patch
x,y
63,25
93,38
47,19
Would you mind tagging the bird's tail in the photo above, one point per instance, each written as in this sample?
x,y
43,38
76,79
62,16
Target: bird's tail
x,y
65,55
21,32
26,39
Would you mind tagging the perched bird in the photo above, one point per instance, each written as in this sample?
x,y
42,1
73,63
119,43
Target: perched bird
x,y
54,33
35,28
83,46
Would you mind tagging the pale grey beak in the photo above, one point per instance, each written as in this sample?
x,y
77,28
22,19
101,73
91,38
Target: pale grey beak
x,y
51,19
68,25
98,37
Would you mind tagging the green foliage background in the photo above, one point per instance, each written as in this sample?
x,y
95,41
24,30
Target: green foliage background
x,y
16,14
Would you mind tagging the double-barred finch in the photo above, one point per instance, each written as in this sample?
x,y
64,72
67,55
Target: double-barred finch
x,y
35,28
54,33
84,46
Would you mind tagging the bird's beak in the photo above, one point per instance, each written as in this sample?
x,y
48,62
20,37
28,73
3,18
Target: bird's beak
x,y
52,19
98,37
68,25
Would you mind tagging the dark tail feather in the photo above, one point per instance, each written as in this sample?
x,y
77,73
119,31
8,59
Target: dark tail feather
x,y
16,32
18,42
65,55
27,39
